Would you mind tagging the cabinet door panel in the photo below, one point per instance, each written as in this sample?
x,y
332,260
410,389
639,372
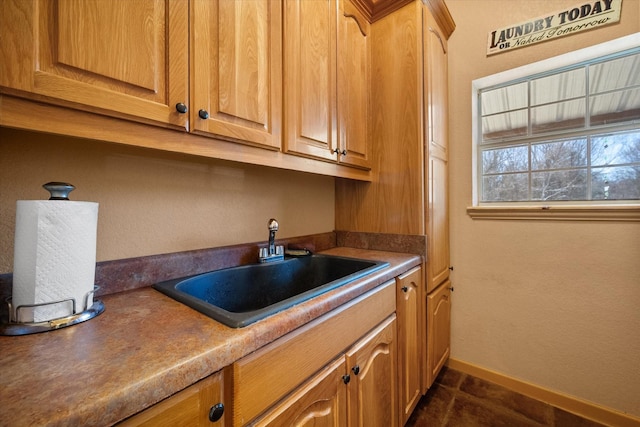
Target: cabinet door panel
x,y
310,77
120,57
438,333
437,82
438,237
410,319
372,390
89,22
353,85
321,402
236,61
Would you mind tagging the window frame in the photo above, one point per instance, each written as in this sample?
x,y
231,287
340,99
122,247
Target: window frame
x,y
625,210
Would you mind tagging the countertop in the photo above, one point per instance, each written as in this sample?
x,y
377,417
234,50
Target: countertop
x,y
144,348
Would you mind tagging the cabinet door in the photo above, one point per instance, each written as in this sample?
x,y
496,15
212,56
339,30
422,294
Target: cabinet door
x,y
188,408
435,57
372,367
410,318
438,330
353,85
122,58
321,402
237,70
437,84
310,78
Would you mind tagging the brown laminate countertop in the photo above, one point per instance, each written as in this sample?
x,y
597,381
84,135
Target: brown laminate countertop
x,y
144,348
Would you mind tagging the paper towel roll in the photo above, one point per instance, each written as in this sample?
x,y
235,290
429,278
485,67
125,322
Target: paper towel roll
x,y
54,258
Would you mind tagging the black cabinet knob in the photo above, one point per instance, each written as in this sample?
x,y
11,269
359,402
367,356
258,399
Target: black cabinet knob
x,y
356,369
181,108
216,412
203,114
405,289
346,379
343,152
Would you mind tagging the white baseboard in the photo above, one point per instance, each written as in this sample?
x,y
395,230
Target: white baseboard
x,y
568,403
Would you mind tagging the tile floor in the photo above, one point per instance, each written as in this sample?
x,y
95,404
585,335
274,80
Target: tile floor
x,y
460,400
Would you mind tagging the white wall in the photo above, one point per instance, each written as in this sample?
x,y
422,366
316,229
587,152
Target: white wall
x,y
556,304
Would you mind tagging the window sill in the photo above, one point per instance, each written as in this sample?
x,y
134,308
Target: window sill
x,y
625,213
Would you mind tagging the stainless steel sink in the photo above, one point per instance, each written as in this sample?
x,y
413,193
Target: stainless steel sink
x,y
242,295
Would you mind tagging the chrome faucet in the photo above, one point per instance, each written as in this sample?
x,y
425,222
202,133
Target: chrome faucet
x,y
273,227
271,252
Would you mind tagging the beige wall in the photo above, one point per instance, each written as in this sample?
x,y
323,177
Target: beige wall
x,y
556,304
153,202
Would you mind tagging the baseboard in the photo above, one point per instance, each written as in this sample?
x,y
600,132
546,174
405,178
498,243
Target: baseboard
x,y
568,403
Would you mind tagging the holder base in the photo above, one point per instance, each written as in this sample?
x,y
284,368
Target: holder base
x,y
15,328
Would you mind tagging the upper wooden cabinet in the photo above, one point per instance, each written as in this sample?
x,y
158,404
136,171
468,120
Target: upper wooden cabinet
x,y
236,59
354,78
216,69
326,81
310,78
121,58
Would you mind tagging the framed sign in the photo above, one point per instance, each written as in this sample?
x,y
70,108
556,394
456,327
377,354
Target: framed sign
x,y
581,17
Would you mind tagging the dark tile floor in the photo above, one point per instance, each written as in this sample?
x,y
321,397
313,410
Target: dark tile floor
x,y
460,400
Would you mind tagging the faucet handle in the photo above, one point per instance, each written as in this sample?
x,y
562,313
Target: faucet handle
x,y
273,225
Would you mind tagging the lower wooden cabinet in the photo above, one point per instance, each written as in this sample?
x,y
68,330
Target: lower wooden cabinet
x,y
410,310
438,330
196,406
321,401
357,389
372,388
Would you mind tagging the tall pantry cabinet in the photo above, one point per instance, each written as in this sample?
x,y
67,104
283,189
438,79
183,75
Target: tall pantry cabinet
x,y
409,153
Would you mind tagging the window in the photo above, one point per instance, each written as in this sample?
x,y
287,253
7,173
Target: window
x,y
562,131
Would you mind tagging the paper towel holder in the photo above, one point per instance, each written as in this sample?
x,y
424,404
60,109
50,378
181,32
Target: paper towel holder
x,y
13,327
59,190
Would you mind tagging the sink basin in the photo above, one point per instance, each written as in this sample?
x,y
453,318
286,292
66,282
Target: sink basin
x,y
239,296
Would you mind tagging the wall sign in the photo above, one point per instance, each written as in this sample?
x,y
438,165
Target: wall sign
x,y
584,16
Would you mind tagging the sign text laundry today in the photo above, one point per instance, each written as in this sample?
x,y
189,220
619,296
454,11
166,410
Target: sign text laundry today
x,y
584,16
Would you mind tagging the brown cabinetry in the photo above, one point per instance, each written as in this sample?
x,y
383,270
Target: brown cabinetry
x,y
410,312
438,324
436,119
310,78
120,58
354,79
265,377
409,152
214,69
358,389
321,401
326,86
372,371
236,65
201,404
